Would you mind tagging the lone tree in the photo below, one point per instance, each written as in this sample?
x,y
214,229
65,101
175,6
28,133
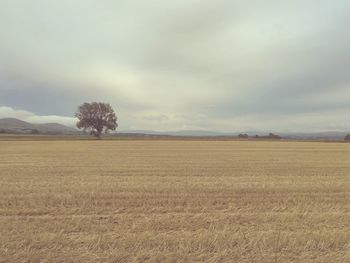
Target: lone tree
x,y
347,137
96,118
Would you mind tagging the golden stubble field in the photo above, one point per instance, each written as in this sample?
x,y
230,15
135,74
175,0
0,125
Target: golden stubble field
x,y
174,201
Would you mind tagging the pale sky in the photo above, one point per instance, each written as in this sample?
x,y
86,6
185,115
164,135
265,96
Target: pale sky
x,y
223,65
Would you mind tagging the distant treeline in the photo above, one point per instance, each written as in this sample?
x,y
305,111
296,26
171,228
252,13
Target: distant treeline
x,y
270,136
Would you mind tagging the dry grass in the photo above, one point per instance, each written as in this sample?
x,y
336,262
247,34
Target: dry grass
x,y
174,201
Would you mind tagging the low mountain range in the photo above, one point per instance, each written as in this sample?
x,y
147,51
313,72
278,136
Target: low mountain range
x,y
330,135
12,125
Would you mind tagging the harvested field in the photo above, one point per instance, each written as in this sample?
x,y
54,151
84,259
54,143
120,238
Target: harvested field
x,y
174,201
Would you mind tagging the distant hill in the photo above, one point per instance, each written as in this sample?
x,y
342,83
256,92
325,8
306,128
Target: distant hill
x,y
335,135
199,133
331,135
12,125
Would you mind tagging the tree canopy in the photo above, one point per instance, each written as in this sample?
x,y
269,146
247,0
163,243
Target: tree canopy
x,y
96,118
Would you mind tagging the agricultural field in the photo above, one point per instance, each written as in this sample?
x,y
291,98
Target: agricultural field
x,y
174,201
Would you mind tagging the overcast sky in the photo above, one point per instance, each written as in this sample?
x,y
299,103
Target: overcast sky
x,y
223,65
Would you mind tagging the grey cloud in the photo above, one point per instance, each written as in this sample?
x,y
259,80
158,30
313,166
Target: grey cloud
x,y
213,63
295,78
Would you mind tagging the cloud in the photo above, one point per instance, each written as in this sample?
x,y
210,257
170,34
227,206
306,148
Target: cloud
x,y
166,65
8,112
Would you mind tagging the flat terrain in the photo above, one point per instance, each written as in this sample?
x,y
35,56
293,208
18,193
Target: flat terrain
x,y
174,201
